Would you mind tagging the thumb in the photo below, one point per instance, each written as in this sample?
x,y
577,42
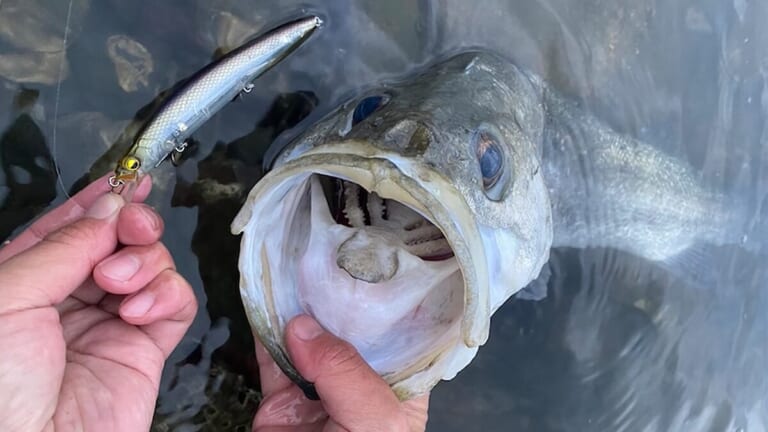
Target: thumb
x,y
354,395
49,271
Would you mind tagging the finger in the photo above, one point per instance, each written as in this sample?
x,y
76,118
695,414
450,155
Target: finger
x,y
132,268
49,271
139,224
77,321
354,395
271,376
164,309
289,410
88,293
416,411
71,210
282,397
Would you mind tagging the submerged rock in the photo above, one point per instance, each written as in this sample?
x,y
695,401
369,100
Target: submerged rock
x,y
133,62
34,67
34,36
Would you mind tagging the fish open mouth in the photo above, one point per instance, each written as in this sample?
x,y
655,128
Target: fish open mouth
x,y
372,255
375,272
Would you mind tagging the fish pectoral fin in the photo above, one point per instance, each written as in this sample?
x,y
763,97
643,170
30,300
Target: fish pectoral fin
x,y
537,289
757,231
700,265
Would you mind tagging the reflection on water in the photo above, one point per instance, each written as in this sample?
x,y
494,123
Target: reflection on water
x,y
616,345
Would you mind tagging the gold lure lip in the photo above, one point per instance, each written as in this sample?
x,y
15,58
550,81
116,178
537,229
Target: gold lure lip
x,y
125,177
121,178
124,184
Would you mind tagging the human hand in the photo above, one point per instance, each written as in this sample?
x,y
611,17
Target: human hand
x,y
353,397
85,328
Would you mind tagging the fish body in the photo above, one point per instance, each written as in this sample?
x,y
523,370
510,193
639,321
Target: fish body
x,y
611,190
205,94
472,152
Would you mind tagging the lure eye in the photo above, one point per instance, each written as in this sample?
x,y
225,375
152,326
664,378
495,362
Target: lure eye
x,y
130,163
490,158
366,107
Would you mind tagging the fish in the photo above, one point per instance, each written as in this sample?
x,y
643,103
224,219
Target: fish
x,y
204,94
406,217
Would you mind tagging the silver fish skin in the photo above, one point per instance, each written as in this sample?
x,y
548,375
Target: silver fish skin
x,y
206,93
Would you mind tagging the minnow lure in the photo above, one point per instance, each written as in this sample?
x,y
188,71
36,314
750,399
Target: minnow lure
x,y
205,94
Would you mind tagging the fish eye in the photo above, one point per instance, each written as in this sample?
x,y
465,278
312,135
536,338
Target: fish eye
x,y
130,163
490,158
366,107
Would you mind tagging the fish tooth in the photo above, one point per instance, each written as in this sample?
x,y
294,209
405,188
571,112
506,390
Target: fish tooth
x,y
352,209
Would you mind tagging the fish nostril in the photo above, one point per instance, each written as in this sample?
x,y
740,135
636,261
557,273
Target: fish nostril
x,y
409,136
420,139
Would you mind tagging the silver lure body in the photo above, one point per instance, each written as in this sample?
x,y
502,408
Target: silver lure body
x,y
209,91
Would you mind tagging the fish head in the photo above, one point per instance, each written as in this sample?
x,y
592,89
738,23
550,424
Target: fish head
x,y
403,220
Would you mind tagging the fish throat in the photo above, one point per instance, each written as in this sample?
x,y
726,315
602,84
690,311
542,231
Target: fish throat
x,y
352,206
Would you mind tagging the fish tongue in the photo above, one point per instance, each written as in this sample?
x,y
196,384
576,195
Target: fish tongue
x,y
369,256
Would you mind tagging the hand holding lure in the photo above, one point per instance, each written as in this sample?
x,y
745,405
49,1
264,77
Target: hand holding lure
x,y
204,95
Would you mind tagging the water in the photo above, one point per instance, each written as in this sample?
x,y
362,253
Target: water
x,y
617,345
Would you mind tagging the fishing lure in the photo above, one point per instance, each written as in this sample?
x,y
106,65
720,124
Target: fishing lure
x,y
205,94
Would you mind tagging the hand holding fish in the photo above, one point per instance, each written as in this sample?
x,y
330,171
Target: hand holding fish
x,y
353,396
85,328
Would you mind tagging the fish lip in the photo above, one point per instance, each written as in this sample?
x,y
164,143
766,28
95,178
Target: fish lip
x,y
128,177
122,177
431,192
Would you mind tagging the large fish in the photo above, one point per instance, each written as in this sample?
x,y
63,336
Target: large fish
x,y
405,218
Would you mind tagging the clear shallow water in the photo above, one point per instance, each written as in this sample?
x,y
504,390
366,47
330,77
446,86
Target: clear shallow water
x,y
617,345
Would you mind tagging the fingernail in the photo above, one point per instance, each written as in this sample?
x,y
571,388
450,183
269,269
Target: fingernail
x,y
120,268
139,305
306,328
105,206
